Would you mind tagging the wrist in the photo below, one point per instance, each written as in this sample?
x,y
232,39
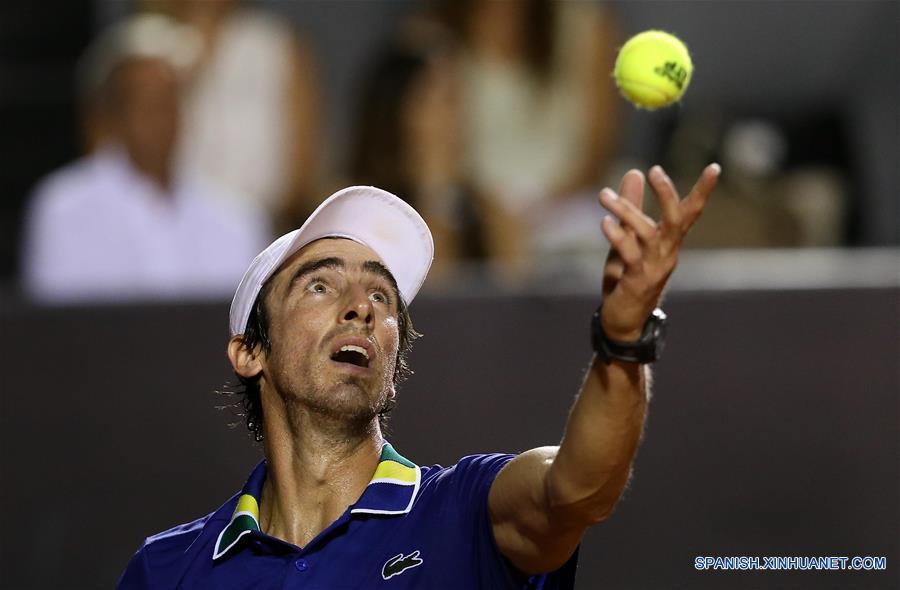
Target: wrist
x,y
615,327
624,346
621,335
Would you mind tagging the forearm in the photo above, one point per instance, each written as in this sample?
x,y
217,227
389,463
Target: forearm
x,y
593,463
602,434
544,500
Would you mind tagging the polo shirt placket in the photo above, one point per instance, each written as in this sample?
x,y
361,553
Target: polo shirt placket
x,y
391,492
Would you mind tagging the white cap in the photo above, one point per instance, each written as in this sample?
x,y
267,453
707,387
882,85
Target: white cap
x,y
146,36
364,214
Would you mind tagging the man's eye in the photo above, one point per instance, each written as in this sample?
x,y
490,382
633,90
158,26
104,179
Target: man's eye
x,y
317,287
378,297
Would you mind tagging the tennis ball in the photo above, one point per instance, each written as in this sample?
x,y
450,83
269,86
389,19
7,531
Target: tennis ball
x,y
653,69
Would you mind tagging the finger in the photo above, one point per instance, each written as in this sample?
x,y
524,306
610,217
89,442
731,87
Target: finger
x,y
626,245
667,195
632,187
693,204
629,214
613,258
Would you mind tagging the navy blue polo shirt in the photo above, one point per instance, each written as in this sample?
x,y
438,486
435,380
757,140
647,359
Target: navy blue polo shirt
x,y
413,527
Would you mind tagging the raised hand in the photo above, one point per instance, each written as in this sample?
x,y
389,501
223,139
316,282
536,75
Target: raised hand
x,y
643,252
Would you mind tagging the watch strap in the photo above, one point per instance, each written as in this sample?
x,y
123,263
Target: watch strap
x,y
646,349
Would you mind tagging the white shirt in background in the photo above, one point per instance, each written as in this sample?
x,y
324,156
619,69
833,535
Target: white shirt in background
x,y
235,110
99,230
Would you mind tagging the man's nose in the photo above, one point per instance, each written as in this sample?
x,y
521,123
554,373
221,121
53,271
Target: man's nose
x,y
358,307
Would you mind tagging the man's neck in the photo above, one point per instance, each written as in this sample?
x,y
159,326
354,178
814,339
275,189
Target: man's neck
x,y
156,169
313,476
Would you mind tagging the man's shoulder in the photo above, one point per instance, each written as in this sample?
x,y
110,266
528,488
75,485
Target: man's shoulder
x,y
69,186
178,537
213,206
471,475
162,558
178,541
482,462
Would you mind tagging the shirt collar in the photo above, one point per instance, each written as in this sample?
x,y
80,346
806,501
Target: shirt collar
x,y
391,491
116,167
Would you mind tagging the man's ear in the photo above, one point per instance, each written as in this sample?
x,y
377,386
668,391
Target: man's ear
x,y
244,361
392,393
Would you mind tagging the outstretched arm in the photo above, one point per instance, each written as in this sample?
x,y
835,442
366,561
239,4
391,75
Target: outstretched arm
x,y
544,500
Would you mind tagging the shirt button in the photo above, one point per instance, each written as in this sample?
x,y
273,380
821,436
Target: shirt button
x,y
302,565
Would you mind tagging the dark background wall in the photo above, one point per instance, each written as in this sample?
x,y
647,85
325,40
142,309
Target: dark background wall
x,y
772,431
39,45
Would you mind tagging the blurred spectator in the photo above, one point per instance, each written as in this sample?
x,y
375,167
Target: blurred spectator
x,y
763,199
407,141
122,222
540,109
252,106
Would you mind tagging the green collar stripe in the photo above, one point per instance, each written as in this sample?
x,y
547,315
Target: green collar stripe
x,y
242,523
239,525
389,454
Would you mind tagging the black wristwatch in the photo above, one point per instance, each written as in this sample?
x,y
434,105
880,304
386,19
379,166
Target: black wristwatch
x,y
646,349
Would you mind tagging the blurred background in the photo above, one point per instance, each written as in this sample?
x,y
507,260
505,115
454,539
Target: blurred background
x,y
152,147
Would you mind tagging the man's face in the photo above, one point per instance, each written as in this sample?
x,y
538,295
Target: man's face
x,y
148,117
332,311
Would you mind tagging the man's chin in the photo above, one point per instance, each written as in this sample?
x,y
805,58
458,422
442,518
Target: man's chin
x,y
352,399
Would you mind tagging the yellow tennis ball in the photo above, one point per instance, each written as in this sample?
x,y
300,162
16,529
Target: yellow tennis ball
x,y
653,69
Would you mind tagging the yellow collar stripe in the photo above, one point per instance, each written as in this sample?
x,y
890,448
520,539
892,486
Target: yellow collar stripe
x,y
395,471
247,503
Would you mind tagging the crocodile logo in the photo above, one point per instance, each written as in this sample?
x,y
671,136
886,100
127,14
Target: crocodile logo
x,y
399,564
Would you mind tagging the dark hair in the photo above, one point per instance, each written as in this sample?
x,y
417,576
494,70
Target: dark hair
x,y
379,153
539,25
256,334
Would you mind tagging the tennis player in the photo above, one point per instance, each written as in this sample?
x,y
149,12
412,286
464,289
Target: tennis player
x,y
320,330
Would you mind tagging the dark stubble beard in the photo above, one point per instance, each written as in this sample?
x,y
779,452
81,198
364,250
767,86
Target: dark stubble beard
x,y
346,407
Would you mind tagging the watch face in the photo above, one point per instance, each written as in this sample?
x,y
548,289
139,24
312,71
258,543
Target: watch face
x,y
658,321
659,335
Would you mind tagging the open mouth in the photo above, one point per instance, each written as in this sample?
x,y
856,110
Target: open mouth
x,y
353,355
